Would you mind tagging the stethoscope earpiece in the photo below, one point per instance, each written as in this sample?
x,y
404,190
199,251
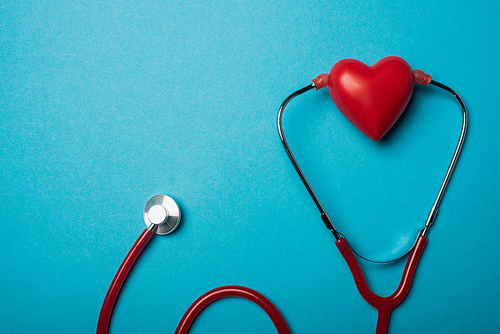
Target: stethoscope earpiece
x,y
162,214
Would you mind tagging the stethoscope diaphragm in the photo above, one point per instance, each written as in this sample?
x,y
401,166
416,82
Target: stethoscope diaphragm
x,y
162,214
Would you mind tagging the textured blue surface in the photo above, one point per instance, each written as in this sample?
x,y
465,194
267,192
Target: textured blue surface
x,y
104,105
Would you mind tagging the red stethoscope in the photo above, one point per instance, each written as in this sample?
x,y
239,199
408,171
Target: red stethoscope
x,y
372,98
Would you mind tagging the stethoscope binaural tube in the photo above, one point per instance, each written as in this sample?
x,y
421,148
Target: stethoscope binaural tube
x,y
323,214
384,305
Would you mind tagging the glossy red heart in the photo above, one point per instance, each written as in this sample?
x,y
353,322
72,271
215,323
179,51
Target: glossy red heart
x,y
372,97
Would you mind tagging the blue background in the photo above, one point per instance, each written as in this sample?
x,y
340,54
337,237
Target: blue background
x,y
104,105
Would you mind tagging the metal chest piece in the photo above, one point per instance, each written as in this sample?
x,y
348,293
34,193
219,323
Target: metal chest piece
x,y
162,214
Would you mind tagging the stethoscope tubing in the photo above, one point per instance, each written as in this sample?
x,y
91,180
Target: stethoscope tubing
x,y
198,305
121,275
231,291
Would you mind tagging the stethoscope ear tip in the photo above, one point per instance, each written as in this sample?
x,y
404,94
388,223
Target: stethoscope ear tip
x,y
162,214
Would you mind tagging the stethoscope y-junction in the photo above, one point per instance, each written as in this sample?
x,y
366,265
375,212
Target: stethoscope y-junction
x,y
372,98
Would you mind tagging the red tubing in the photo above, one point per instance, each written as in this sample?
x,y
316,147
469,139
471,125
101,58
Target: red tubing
x,y
384,305
195,309
116,284
231,291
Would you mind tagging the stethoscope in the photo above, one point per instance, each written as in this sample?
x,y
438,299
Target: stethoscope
x,y
345,82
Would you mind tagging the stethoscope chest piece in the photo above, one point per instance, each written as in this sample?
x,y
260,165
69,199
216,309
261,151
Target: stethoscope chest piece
x,y
162,214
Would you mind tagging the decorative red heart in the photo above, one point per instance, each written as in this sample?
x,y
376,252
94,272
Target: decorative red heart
x,y
372,97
